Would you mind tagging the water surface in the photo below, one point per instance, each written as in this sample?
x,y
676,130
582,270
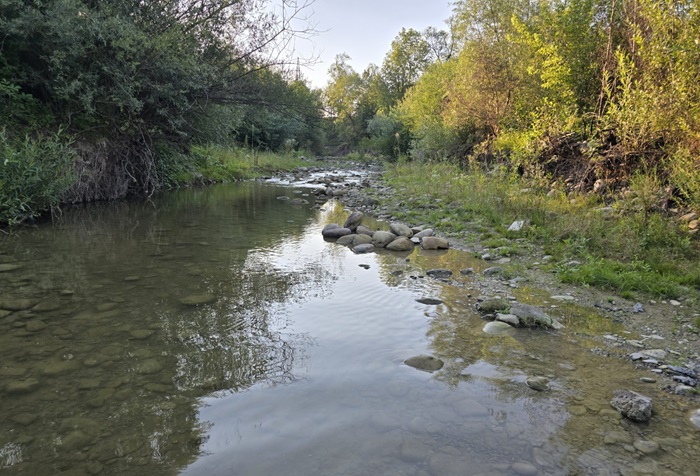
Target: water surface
x,y
293,362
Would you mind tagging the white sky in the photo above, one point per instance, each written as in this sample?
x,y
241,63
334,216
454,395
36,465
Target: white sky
x,y
364,29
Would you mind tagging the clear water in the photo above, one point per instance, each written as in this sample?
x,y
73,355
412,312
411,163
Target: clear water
x,y
294,366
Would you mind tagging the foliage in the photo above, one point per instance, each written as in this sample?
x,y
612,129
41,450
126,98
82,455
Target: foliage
x,y
130,79
34,175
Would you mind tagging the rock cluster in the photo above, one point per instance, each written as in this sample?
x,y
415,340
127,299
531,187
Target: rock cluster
x,y
517,314
400,237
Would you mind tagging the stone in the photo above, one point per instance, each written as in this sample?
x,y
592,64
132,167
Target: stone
x,y
346,240
538,383
508,318
424,233
75,440
434,243
492,271
35,326
638,308
362,249
531,316
198,299
632,405
439,273
361,240
498,328
24,419
47,306
381,239
363,230
17,304
466,272
675,303
21,387
469,408
617,437
429,301
649,354
524,469
141,334
399,229
517,225
426,363
400,244
646,447
149,367
354,220
564,298
695,418
490,306
337,232
7,267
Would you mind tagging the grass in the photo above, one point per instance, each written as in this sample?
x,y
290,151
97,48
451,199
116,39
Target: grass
x,y
625,246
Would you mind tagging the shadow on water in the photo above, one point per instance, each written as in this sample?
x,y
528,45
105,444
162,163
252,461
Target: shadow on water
x,y
214,331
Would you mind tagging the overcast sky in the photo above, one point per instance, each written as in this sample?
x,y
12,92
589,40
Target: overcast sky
x,y
364,30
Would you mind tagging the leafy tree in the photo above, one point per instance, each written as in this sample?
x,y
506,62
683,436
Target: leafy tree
x,y
408,57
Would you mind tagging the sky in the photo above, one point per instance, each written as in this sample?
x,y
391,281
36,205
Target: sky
x,y
364,29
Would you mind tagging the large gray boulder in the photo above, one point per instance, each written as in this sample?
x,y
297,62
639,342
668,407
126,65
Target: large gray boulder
x,y
632,405
346,240
531,316
361,239
363,230
381,239
400,244
434,243
354,220
336,232
424,233
399,229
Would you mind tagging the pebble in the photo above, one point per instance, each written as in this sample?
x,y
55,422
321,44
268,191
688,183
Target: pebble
x,y
564,298
20,387
538,383
524,469
695,418
646,446
673,302
648,380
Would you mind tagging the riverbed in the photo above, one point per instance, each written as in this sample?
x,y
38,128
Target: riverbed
x,y
214,331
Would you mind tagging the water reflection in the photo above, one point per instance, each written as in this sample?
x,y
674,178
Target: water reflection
x,y
292,363
103,364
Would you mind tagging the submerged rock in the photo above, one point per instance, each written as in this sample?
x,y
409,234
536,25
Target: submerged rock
x,y
695,418
198,299
426,363
346,240
538,383
632,405
6,267
439,273
429,301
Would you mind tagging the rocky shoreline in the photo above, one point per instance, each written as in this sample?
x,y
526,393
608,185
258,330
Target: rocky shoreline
x,y
657,336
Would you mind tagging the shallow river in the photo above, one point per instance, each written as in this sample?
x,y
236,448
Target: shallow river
x,y
214,332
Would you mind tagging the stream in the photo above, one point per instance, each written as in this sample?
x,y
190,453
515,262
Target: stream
x,y
214,331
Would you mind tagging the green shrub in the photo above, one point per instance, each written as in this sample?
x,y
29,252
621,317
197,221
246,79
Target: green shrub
x,y
34,176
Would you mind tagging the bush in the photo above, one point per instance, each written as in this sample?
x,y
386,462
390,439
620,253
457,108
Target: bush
x,y
34,176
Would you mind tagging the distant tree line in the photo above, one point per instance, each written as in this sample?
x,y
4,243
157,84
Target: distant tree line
x,y
587,92
98,96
